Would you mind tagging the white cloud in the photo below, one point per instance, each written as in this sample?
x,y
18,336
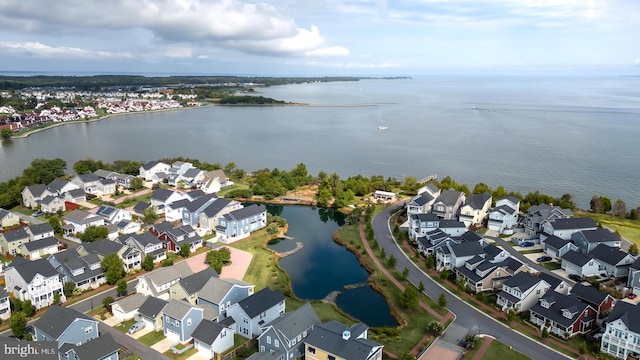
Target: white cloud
x,y
47,51
327,52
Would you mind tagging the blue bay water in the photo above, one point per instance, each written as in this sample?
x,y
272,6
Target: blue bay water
x,y
576,135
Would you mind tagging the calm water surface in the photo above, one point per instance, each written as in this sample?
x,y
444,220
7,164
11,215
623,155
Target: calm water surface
x,y
557,135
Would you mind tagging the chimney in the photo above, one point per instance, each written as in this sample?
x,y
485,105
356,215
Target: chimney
x,y
346,335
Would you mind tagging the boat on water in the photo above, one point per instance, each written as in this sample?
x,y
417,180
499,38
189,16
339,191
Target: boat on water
x,y
382,127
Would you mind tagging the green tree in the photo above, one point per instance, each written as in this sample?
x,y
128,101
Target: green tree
x,y
442,300
391,261
435,327
185,250
430,262
406,356
147,264
18,324
149,215
113,268
217,258
323,197
421,287
56,298
405,274
409,298
166,262
6,134
27,308
633,249
106,302
471,341
54,221
93,233
121,287
136,184
273,229
619,209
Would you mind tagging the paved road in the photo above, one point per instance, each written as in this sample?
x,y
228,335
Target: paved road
x,y
468,319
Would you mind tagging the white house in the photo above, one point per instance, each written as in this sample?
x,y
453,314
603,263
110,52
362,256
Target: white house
x,y
34,280
504,216
579,264
621,337
475,209
112,214
211,338
521,292
78,221
151,168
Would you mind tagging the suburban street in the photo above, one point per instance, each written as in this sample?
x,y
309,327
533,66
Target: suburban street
x,y
468,319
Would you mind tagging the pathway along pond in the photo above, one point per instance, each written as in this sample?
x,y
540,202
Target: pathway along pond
x,y
323,266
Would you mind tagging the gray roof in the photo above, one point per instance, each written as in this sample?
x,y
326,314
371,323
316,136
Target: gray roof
x,y
193,283
167,274
261,356
216,174
103,247
81,216
150,165
422,199
48,199
90,177
162,227
215,289
57,319
522,281
505,209
3,293
328,337
629,314
215,207
246,212
28,269
140,207
560,302
576,258
107,181
511,198
41,244
470,236
589,294
75,193
66,255
57,184
556,242
15,235
426,217
131,302
198,203
36,190
146,238
610,255
477,201
599,235
573,223
294,323
551,278
178,309
449,197
97,348
152,307
207,331
161,194
445,223
260,302
466,249
192,172
4,213
39,229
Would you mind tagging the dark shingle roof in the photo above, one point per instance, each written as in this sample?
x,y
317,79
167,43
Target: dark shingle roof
x,y
477,201
163,227
588,294
556,242
573,223
610,255
199,202
560,302
600,235
629,314
207,331
161,194
246,212
328,337
150,165
57,319
37,190
261,301
15,235
193,283
522,281
39,229
29,269
293,323
469,236
576,258
426,217
57,184
40,244
466,249
152,306
215,207
449,197
422,199
140,207
97,348
3,293
444,224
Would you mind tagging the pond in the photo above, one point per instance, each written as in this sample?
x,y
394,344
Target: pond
x,y
323,266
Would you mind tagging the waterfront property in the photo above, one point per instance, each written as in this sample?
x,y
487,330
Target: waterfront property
x,y
422,203
220,294
504,216
285,335
239,224
255,311
475,209
621,338
336,341
448,203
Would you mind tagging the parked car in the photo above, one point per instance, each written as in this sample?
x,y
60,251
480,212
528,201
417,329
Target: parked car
x,y
526,244
632,296
136,327
543,258
575,277
37,213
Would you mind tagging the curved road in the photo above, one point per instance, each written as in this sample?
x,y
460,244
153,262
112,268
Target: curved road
x,y
468,318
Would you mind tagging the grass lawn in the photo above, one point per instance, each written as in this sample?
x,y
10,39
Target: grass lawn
x,y
22,210
500,351
131,202
227,189
151,338
531,252
628,229
182,356
125,325
551,265
326,312
133,357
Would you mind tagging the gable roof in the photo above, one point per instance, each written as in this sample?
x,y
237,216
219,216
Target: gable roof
x,y
293,323
39,229
522,281
167,274
576,258
556,242
162,227
28,269
178,309
207,331
449,197
86,178
75,193
15,235
162,194
66,255
559,303
477,201
57,319
450,223
610,255
573,223
588,294
260,302
81,216
328,337
465,249
96,348
628,313
215,207
246,212
198,203
216,174
145,238
40,244
261,356
152,307
36,190
151,164
193,283
4,213
599,235
422,198
215,289
131,302
141,206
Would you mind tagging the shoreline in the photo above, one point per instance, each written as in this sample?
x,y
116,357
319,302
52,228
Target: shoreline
x,y
99,118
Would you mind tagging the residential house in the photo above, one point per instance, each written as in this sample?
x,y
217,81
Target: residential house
x,y
191,212
538,214
37,249
211,338
5,304
239,224
8,219
423,202
521,292
92,184
621,338
157,283
192,177
383,197
285,336
600,301
421,224
613,261
103,347
65,325
160,228
131,257
85,272
213,181
140,207
209,217
51,204
112,214
40,231
127,307
150,312
504,216
180,319
565,228
33,194
10,241
587,240
482,275
255,311
453,255
127,227
579,264
220,294
452,227
147,244
557,247
59,186
431,241
555,282
562,315
261,356
162,197
173,239
177,170
78,221
75,196
173,211
34,280
633,279
475,209
448,203
151,168
195,194
187,288
335,341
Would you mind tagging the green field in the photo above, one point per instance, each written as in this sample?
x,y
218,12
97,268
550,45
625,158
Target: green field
x,y
628,229
500,351
151,338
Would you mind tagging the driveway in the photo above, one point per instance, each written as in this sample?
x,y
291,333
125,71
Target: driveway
x,y
163,345
198,356
142,332
112,321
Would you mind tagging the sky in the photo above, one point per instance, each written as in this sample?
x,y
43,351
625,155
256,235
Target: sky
x,y
319,37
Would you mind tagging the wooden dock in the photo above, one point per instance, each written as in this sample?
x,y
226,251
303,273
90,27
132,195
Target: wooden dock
x,y
428,178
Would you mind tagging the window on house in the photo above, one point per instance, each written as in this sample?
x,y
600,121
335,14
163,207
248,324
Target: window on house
x,y
188,322
276,343
311,350
88,330
329,357
268,339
